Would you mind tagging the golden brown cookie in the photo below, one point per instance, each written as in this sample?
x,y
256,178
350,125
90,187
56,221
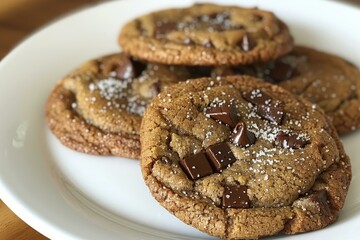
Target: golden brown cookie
x,y
239,158
207,34
324,79
97,109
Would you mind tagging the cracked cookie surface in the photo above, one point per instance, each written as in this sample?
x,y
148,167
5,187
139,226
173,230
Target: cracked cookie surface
x,y
97,109
290,173
322,78
207,34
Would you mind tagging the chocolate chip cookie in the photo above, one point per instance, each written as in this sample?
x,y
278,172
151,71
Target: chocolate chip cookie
x,y
324,79
97,109
207,34
239,158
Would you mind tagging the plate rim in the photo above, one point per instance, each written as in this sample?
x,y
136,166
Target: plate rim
x,y
35,220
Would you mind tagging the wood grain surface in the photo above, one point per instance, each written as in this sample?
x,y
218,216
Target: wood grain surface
x,y
18,19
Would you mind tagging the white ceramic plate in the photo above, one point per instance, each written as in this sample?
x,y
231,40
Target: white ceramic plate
x,y
68,195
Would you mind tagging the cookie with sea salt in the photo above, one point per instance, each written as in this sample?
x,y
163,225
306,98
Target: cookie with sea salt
x,y
327,80
97,109
239,158
207,34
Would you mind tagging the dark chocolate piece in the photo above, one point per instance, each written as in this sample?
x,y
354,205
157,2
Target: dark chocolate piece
x,y
281,72
257,97
265,107
235,197
241,137
290,141
165,27
321,199
225,113
271,112
196,166
220,156
247,43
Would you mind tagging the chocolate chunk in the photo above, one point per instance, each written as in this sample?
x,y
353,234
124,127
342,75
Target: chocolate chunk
x,y
290,141
196,166
235,197
258,97
165,27
241,137
265,107
216,16
321,199
220,156
208,43
225,113
247,43
273,113
281,72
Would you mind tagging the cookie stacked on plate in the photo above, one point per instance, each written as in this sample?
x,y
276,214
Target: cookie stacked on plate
x,y
236,124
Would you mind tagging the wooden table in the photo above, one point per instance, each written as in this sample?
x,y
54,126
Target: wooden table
x,y
19,18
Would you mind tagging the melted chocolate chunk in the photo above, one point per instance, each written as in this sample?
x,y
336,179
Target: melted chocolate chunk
x,y
321,199
220,156
235,197
290,141
196,166
224,113
165,27
257,97
281,72
247,43
241,137
273,113
208,43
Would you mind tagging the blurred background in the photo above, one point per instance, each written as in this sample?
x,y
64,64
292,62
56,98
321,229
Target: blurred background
x,y
18,19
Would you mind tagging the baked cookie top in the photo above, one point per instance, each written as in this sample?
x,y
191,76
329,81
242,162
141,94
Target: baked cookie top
x,y
207,34
237,157
324,79
109,96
